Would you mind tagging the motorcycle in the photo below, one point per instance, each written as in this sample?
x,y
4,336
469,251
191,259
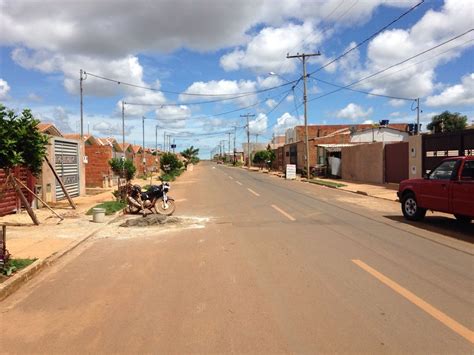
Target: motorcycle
x,y
155,199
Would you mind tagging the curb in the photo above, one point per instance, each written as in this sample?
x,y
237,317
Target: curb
x,y
358,192
15,282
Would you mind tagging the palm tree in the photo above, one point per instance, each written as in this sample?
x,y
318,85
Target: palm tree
x,y
191,154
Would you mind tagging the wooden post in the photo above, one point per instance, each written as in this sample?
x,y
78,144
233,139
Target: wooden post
x,y
23,199
39,198
71,202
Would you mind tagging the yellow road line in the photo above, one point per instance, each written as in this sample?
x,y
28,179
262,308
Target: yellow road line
x,y
290,217
238,182
256,194
428,308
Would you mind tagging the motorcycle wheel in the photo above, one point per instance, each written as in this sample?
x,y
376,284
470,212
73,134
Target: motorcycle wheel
x,y
169,210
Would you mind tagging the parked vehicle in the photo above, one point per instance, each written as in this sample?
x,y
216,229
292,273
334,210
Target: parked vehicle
x,y
447,188
155,199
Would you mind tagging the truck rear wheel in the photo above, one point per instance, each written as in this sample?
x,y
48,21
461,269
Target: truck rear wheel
x,y
410,208
463,219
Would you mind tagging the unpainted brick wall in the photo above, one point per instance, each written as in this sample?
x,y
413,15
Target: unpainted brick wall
x,y
98,164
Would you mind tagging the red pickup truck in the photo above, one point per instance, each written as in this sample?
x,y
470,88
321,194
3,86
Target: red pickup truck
x,y
447,188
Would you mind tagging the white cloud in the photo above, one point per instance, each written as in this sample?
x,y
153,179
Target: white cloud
x,y
397,103
126,69
34,97
354,112
456,95
271,103
392,46
56,115
4,89
173,116
106,128
368,122
259,124
269,81
395,114
289,98
227,87
268,49
286,121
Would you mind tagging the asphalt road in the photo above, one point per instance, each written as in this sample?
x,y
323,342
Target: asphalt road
x,y
279,267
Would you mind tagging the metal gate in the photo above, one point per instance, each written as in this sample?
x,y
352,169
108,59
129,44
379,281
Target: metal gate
x,y
66,154
293,154
396,162
437,147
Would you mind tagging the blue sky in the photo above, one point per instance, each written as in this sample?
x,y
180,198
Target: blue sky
x,y
225,48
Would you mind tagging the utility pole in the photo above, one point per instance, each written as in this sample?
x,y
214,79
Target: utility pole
x,y
123,125
81,78
229,133
418,116
164,141
303,57
143,131
256,138
156,140
248,137
235,136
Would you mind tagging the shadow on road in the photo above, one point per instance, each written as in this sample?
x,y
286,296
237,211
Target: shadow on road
x,y
443,225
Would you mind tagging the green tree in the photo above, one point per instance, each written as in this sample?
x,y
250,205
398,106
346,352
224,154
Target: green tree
x,y
21,142
448,122
170,163
191,155
123,168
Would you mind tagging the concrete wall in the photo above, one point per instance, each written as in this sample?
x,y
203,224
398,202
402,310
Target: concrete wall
x,y
364,163
415,157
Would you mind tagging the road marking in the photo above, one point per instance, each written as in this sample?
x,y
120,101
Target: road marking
x,y
238,182
181,200
230,177
432,311
290,217
256,194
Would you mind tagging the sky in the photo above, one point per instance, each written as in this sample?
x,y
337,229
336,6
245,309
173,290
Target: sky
x,y
197,66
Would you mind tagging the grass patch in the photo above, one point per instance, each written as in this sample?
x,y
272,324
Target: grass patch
x,y
326,183
15,265
110,207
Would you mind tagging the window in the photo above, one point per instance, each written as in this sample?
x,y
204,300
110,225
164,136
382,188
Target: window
x,y
468,171
444,171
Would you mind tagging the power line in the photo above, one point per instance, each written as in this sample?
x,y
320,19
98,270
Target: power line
x,y
427,59
361,91
368,38
185,93
392,66
286,63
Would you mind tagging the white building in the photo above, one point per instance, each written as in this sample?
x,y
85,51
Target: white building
x,y
379,134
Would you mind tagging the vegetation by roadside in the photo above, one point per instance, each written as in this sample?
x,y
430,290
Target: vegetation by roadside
x,y
110,207
14,265
326,183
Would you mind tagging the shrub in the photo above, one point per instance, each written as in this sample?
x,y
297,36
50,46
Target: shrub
x,y
123,168
170,163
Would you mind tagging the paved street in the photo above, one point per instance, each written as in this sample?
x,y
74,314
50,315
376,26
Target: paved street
x,y
279,267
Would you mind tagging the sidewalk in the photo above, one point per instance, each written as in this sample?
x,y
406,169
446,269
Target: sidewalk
x,y
384,191
25,240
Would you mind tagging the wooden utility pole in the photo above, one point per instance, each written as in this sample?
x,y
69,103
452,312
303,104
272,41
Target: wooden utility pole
x,y
81,78
248,137
58,179
303,57
235,136
24,201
